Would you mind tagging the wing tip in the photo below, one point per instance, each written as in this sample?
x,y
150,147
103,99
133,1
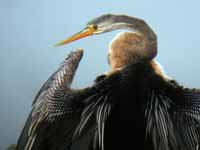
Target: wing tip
x,y
75,55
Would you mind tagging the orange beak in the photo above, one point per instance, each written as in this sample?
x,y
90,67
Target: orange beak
x,y
86,32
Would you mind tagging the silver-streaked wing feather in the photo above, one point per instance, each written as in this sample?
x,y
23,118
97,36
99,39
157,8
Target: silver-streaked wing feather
x,y
61,115
62,78
54,102
173,117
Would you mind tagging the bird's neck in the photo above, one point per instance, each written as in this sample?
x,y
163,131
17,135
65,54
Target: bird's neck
x,y
141,28
132,47
137,26
128,48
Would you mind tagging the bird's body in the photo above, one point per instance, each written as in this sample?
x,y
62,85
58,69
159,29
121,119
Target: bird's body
x,y
126,126
133,105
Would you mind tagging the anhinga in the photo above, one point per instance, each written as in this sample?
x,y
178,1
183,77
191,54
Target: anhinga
x,y
133,106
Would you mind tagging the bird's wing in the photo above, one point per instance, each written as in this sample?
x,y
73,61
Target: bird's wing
x,y
173,117
61,115
63,76
54,102
95,116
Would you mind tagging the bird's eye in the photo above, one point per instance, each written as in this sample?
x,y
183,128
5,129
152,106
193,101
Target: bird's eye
x,y
93,26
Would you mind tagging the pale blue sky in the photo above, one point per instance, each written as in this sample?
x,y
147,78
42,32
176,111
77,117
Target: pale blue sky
x,y
29,29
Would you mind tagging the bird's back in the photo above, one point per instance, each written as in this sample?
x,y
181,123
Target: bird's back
x,y
152,112
126,125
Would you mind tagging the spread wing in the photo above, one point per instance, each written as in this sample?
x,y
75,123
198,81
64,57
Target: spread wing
x,y
61,115
173,117
53,104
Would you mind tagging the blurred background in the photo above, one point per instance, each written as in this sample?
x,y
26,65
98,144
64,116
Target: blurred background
x,y
29,29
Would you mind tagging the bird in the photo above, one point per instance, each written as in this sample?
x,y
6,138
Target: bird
x,y
134,105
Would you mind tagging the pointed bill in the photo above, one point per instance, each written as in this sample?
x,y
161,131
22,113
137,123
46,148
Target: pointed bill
x,y
86,32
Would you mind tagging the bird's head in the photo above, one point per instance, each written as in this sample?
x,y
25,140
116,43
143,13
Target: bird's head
x,y
141,44
110,22
101,24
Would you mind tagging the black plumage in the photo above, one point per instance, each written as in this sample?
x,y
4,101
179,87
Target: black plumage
x,y
134,106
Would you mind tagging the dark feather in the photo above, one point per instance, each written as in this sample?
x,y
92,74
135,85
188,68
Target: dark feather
x,y
135,102
173,117
56,110
61,115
